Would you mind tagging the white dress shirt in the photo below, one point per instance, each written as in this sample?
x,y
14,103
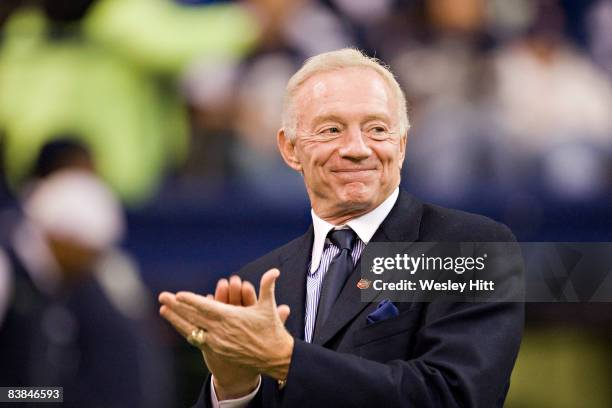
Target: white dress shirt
x,y
322,253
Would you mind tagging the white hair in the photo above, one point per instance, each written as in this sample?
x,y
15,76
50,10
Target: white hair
x,y
332,61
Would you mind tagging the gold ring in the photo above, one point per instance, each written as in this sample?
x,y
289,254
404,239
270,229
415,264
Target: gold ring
x,y
197,337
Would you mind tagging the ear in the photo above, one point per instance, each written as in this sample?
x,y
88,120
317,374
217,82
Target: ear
x,y
287,150
402,147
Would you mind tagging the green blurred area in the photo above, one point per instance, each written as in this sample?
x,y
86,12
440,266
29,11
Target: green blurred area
x,y
562,367
112,82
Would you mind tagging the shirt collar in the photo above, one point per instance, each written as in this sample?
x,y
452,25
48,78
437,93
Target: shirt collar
x,y
364,226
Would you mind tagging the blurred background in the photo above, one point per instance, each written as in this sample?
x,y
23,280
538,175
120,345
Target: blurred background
x,y
138,149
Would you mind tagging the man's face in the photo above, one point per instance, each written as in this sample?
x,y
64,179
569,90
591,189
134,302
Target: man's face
x,y
348,145
75,260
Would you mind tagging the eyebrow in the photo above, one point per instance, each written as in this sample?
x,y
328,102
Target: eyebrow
x,y
336,118
323,118
377,116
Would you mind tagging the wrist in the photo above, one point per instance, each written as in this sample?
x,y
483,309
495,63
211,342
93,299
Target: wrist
x,y
233,390
279,369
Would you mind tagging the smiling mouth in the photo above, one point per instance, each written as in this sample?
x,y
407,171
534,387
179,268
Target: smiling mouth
x,y
351,170
349,175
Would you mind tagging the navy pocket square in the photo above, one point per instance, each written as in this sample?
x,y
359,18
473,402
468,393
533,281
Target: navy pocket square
x,y
385,310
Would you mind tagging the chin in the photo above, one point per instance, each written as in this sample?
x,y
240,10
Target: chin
x,y
357,195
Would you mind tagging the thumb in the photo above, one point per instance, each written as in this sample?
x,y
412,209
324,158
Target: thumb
x,y
266,287
283,312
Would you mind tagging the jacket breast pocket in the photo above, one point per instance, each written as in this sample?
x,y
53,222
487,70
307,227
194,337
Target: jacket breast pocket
x,y
388,339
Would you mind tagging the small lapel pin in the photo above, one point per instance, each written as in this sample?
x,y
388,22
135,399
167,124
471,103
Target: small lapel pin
x,y
363,283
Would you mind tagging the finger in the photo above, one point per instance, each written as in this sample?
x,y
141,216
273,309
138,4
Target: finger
x,y
235,291
283,312
222,291
211,308
165,297
249,297
191,314
181,325
266,287
210,297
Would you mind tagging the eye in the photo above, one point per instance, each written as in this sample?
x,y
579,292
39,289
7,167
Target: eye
x,y
330,132
377,132
332,129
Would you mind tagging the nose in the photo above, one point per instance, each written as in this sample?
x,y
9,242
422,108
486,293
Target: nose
x,y
353,145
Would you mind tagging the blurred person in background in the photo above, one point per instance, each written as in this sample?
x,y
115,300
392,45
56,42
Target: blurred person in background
x,y
233,106
73,310
237,104
108,71
552,107
258,111
599,30
442,65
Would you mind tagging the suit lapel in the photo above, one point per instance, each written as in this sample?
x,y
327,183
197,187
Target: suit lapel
x,y
401,225
291,285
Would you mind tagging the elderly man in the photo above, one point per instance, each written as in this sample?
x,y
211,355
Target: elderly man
x,y
344,129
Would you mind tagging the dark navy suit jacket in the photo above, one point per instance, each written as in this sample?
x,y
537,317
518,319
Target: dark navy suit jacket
x,y
436,354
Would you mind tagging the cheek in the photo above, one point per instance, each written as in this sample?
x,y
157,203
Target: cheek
x,y
389,159
316,157
388,154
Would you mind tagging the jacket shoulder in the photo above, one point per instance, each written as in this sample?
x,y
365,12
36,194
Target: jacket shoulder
x,y
445,224
273,259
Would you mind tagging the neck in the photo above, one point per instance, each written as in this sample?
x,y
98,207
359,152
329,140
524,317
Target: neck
x,y
341,218
340,213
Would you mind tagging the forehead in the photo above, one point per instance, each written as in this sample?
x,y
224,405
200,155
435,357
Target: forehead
x,y
347,91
